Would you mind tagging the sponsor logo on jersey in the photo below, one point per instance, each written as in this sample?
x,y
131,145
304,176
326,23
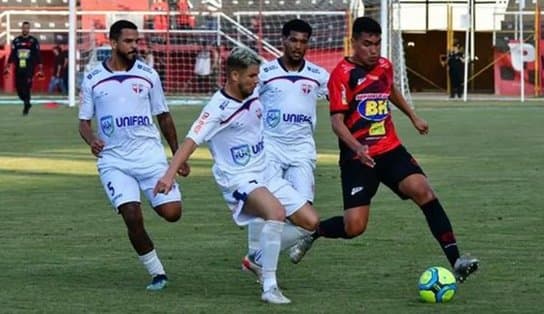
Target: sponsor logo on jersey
x,y
106,125
242,154
270,68
296,118
224,105
373,107
122,122
201,121
273,117
312,69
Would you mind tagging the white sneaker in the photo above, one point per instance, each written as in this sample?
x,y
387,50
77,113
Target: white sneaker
x,y
297,251
274,296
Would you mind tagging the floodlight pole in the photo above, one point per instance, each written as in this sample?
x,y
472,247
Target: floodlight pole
x,y
72,24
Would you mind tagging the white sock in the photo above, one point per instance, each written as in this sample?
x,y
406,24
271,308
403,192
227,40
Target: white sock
x,y
152,263
291,234
270,244
254,230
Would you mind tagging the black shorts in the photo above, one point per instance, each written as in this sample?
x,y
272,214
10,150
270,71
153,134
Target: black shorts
x,y
360,182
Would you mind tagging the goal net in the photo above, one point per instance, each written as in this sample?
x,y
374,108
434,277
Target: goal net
x,y
187,41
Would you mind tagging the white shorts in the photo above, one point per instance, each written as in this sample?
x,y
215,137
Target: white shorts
x,y
236,194
123,185
299,175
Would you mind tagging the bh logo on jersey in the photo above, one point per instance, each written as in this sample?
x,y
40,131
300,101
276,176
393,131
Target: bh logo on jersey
x,y
373,107
138,88
106,124
273,117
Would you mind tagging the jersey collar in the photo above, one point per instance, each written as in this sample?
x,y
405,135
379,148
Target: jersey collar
x,y
285,68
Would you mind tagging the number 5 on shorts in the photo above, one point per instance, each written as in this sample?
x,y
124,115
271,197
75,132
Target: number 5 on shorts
x,y
110,188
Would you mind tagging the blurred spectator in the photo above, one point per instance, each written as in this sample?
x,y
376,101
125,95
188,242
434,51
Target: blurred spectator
x,y
185,19
60,66
206,64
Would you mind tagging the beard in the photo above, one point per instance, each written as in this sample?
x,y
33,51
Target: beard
x,y
244,92
127,58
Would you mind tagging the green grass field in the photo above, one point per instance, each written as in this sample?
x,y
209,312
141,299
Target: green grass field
x,y
64,251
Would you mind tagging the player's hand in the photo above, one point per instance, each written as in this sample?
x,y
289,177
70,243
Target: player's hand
x,y
364,157
97,145
40,75
184,169
164,185
421,125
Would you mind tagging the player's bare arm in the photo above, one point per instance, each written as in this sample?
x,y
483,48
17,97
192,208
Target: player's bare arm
x,y
398,100
343,133
168,130
86,132
164,185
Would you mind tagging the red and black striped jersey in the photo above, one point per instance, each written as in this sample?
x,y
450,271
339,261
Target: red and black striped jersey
x,y
362,96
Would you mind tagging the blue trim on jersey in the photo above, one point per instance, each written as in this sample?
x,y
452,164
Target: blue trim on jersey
x,y
293,79
122,77
105,65
285,69
224,93
245,106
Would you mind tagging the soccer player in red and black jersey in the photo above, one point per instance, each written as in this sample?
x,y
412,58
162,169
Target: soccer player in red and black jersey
x,y
25,54
360,88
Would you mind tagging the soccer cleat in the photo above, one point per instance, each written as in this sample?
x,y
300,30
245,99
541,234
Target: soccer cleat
x,y
26,109
464,266
274,296
250,265
158,283
297,251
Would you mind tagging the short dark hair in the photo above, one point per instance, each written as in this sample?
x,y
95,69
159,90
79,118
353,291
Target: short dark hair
x,y
26,23
367,25
296,25
117,28
241,59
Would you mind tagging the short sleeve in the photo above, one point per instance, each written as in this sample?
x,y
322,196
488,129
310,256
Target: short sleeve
x,y
156,96
206,125
86,106
337,94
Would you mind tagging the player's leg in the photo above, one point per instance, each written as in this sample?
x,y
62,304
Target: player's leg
x,y
124,193
406,178
254,228
168,206
261,203
23,90
359,185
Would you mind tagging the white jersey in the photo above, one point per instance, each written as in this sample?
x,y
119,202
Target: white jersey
x,y
124,103
234,133
289,101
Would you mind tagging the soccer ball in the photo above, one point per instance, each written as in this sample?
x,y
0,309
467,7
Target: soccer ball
x,y
437,285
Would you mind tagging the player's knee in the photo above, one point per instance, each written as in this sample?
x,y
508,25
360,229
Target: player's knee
x,y
423,195
354,229
278,215
172,215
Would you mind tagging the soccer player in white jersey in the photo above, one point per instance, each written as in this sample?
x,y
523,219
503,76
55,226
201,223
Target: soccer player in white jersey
x,y
124,94
232,125
289,88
